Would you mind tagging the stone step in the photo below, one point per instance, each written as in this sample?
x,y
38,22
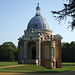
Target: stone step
x,y
30,61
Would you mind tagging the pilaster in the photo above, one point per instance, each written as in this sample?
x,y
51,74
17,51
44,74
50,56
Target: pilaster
x,y
37,49
25,49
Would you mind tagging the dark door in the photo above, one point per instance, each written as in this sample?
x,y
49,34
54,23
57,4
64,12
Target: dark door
x,y
33,53
56,64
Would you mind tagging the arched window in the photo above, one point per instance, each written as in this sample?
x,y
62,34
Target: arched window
x,y
52,52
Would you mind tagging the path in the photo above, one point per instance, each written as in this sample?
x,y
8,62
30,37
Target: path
x,y
13,66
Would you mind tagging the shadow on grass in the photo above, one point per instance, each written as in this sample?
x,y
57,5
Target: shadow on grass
x,y
53,72
44,72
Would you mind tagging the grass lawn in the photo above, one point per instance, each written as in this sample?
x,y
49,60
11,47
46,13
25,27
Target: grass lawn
x,y
39,69
8,63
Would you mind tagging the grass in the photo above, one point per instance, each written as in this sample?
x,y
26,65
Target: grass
x,y
68,64
39,69
8,63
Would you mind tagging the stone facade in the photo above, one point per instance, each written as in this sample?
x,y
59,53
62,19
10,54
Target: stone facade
x,y
38,45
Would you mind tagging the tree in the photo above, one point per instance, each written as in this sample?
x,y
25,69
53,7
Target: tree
x,y
69,10
12,47
72,50
65,52
8,52
68,52
9,44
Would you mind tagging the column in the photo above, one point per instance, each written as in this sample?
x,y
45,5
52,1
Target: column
x,y
25,49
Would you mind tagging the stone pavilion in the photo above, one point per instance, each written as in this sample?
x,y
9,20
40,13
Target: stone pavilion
x,y
38,45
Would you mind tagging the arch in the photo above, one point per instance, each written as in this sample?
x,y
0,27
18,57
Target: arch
x,y
33,53
31,50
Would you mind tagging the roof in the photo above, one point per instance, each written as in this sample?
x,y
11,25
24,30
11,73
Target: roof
x,y
38,22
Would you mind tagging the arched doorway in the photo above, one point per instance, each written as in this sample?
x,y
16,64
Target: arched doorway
x,y
31,50
33,53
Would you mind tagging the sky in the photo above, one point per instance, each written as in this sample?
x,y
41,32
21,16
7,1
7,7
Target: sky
x,y
16,14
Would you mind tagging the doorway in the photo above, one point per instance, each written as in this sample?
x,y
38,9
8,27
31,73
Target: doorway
x,y
31,50
56,64
33,53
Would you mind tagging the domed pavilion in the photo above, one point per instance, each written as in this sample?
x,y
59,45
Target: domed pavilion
x,y
38,45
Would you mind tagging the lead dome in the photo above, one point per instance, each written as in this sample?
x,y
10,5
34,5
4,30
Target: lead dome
x,y
38,22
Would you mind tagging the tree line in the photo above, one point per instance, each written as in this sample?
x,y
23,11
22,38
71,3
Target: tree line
x,y
8,52
68,51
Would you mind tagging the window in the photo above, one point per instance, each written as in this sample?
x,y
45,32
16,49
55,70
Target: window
x,y
46,51
53,52
47,37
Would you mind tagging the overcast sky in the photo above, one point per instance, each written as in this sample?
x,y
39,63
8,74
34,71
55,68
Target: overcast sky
x,y
16,14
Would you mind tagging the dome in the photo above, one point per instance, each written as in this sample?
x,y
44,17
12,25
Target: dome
x,y
38,22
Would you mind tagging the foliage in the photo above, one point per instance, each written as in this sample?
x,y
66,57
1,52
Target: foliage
x,y
69,10
8,52
68,52
39,69
8,44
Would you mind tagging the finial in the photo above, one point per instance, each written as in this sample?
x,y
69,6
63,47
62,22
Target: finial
x,y
38,8
38,4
